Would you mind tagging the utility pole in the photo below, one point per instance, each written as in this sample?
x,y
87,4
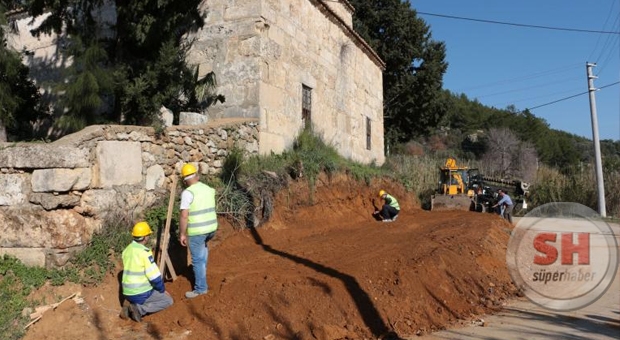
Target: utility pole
x,y
597,145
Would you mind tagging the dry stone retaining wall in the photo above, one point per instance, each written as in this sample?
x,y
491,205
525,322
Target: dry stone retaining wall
x,y
54,196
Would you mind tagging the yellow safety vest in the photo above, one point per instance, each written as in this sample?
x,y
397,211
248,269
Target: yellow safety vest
x,y
202,217
138,269
393,203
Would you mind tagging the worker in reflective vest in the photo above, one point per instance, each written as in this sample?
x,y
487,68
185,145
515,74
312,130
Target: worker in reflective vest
x,y
197,225
391,208
142,283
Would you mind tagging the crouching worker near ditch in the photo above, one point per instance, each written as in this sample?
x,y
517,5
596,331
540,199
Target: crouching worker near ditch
x,y
143,285
197,224
391,208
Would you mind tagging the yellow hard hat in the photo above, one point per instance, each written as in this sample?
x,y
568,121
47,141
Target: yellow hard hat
x,y
188,169
381,193
141,229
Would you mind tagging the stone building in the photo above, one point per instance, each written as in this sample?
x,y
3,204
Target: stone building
x,y
295,62
287,63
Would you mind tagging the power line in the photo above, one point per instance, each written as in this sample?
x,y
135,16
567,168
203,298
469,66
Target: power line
x,y
613,2
530,98
529,87
612,51
569,97
526,77
519,25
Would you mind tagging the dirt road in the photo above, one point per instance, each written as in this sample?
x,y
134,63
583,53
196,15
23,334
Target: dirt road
x,y
322,268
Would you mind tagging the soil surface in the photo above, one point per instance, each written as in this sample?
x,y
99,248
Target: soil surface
x,y
321,268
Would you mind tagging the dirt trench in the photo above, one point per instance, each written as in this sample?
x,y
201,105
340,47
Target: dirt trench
x,y
317,270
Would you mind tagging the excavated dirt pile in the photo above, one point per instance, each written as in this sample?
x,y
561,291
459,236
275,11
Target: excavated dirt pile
x,y
320,270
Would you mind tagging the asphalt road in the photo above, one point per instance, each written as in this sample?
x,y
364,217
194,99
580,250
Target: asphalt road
x,y
522,319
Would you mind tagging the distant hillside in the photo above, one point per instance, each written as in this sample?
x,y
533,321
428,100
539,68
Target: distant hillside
x,y
555,148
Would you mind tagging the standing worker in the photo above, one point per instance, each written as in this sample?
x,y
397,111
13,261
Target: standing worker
x,y
506,205
143,285
198,223
390,209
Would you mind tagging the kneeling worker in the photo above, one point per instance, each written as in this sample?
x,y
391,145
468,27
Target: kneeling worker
x,y
390,209
143,285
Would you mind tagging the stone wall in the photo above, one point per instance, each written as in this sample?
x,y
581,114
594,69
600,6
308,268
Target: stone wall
x,y
55,196
264,51
308,46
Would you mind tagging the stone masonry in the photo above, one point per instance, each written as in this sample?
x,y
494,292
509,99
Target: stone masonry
x,y
55,196
263,53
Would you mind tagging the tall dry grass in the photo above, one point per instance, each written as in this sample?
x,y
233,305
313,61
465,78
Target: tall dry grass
x,y
580,187
419,174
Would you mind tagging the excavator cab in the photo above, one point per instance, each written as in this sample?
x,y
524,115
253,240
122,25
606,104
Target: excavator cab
x,y
454,190
453,182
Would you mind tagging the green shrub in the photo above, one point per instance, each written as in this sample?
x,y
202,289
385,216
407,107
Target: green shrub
x,y
314,155
13,299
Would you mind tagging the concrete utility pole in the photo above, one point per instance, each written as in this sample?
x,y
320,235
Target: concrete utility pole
x,y
597,145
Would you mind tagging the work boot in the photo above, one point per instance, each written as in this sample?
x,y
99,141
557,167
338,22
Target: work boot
x,y
124,313
193,294
134,313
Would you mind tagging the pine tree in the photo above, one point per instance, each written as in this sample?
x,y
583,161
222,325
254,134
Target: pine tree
x,y
415,64
19,97
125,70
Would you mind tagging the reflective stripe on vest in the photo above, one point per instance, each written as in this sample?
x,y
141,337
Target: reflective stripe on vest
x,y
393,202
138,269
202,217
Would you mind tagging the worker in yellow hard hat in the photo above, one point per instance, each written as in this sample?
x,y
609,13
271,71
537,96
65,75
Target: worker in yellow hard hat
x,y
143,285
198,223
390,210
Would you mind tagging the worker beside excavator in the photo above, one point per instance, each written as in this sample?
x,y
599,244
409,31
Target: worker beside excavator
x,y
390,209
505,204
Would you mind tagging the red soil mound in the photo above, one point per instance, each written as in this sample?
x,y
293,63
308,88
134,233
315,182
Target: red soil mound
x,y
320,270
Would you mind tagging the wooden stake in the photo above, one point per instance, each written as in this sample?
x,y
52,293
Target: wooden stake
x,y
163,256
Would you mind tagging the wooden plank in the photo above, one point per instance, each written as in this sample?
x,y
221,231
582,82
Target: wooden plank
x,y
163,257
173,274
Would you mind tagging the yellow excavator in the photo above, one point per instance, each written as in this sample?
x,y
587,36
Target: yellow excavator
x,y
454,192
463,188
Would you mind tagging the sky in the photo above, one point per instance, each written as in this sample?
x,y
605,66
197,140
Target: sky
x,y
500,65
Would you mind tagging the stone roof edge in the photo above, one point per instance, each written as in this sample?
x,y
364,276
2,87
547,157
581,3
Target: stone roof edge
x,y
348,5
359,41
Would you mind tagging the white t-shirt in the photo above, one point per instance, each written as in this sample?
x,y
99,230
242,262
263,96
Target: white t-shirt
x,y
186,199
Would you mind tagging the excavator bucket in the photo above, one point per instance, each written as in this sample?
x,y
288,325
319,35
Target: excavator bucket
x,y
451,202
